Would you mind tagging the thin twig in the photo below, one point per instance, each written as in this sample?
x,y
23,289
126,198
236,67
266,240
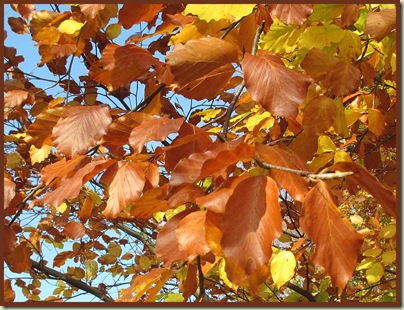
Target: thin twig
x,y
145,102
310,175
201,281
301,291
139,236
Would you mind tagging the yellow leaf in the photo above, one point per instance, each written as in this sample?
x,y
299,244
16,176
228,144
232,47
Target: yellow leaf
x,y
70,26
224,278
341,156
91,269
387,232
114,249
326,12
376,122
39,155
258,118
62,208
365,263
350,46
208,114
281,38
320,36
374,273
389,257
325,144
170,213
230,12
320,161
373,252
113,30
20,135
356,219
158,216
283,267
144,262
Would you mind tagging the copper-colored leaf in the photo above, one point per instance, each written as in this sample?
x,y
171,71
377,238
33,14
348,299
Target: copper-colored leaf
x,y
370,184
74,230
183,194
120,65
167,247
376,122
63,169
15,98
190,234
319,115
25,10
81,127
9,192
293,183
91,10
156,129
380,24
61,258
86,209
277,88
9,294
343,79
318,62
212,162
199,57
127,182
9,240
18,25
40,132
350,14
131,14
251,222
152,201
19,260
292,13
337,243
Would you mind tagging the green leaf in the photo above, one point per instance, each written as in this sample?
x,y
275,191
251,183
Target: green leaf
x,y
373,252
283,267
389,257
366,263
281,38
144,263
174,297
320,36
374,273
322,297
325,144
91,269
350,47
113,31
360,23
326,12
388,231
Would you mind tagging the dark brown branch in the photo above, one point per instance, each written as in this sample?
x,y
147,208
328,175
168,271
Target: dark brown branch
x,y
68,279
301,291
145,102
139,236
201,280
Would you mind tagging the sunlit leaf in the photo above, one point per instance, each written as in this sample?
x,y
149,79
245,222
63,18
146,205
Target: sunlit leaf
x,y
39,155
388,232
74,230
70,26
131,13
9,294
374,273
230,12
281,38
291,13
283,266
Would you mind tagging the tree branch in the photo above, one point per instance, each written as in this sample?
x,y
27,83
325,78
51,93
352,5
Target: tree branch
x,y
68,279
319,176
139,236
201,280
145,102
301,291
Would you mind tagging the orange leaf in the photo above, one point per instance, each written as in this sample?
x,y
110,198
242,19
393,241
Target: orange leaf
x,y
337,243
131,14
376,121
251,222
86,209
292,13
74,230
91,10
9,192
126,181
167,247
63,169
370,184
277,88
183,194
380,24
151,202
319,115
9,294
9,240
14,98
156,129
293,183
81,127
61,258
197,58
343,79
190,234
19,260
317,63
120,65
25,10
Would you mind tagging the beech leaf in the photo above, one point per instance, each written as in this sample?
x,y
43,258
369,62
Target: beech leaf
x,y
81,127
292,13
9,192
277,88
337,243
319,115
283,266
230,12
74,230
380,24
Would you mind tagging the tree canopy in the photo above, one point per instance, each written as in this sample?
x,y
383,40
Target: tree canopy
x,y
201,153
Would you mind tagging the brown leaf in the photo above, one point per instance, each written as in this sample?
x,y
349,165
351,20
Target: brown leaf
x,y
125,187
9,240
197,58
190,234
40,132
9,294
277,88
25,10
61,258
292,13
131,14
18,25
120,65
317,63
19,260
337,243
156,129
211,162
380,24
9,192
91,10
167,247
293,183
343,79
74,230
15,98
350,14
81,127
251,222
370,184
319,115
